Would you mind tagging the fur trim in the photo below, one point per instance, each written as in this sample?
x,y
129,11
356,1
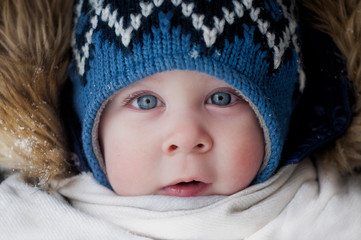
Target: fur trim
x,y
341,19
34,56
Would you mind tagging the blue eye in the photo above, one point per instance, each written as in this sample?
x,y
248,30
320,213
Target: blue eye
x,y
146,102
220,98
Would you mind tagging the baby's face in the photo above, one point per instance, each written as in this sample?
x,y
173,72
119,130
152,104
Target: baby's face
x,y
180,133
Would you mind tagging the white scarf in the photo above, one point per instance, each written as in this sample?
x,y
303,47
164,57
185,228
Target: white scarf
x,y
300,202
214,217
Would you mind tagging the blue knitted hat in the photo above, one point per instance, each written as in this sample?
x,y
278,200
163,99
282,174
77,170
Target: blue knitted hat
x,y
251,45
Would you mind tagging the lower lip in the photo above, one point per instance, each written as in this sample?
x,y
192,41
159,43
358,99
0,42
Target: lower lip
x,y
185,190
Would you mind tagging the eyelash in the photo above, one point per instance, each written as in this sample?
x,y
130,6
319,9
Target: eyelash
x,y
129,99
233,92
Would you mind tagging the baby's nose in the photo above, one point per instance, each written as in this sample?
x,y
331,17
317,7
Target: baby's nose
x,y
188,137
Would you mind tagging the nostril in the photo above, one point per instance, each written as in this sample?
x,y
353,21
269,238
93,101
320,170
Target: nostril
x,y
173,147
199,147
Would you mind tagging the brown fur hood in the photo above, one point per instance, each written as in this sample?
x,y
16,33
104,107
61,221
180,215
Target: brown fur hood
x,y
34,56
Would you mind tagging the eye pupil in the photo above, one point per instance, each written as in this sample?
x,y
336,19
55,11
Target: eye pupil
x,y
147,102
221,98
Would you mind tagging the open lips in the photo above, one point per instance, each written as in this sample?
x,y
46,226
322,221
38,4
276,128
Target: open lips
x,y
191,188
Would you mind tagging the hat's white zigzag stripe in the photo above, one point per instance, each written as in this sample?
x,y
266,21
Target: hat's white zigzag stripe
x,y
210,34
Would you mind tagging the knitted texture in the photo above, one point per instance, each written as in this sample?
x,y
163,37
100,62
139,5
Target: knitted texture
x,y
251,45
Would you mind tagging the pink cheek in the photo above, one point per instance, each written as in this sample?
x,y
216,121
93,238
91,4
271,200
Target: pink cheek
x,y
253,157
116,163
121,176
244,162
128,167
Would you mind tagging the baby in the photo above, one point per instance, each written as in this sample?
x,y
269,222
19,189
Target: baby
x,y
184,108
207,139
184,98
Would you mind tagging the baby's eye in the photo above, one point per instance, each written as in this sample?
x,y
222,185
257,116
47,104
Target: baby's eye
x,y
220,98
146,102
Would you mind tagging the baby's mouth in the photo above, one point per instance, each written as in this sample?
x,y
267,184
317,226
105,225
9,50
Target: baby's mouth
x,y
185,189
